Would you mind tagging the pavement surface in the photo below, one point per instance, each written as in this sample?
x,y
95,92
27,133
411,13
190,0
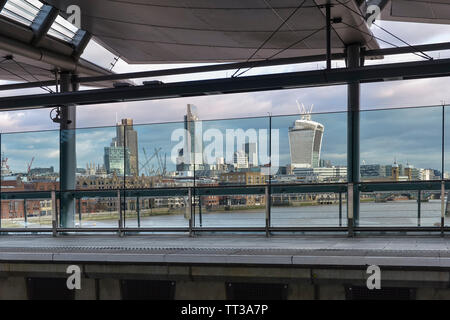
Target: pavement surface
x,y
407,251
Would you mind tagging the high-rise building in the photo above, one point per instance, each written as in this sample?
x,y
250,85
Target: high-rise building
x,y
373,171
240,159
193,150
325,163
117,159
126,137
305,142
251,151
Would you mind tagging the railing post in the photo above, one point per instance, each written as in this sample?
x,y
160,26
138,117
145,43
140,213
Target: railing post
x,y
200,219
442,207
189,211
79,211
340,209
138,212
268,211
119,208
25,212
419,206
350,208
54,214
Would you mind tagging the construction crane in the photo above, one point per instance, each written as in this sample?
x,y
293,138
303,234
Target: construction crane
x,y
162,164
4,161
148,160
29,167
4,165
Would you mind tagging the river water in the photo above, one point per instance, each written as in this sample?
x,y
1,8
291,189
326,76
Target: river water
x,y
396,213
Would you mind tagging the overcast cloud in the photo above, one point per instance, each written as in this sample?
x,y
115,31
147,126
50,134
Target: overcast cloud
x,y
405,135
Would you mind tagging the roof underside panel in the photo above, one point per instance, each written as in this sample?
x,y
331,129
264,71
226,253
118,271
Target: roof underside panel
x,y
23,59
24,70
426,11
156,31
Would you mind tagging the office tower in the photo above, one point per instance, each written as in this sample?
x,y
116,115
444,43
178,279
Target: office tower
x,y
370,171
325,163
193,149
251,151
240,160
126,136
305,141
117,159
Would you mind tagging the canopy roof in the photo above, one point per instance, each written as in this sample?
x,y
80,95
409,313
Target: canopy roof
x,y
426,11
35,39
170,31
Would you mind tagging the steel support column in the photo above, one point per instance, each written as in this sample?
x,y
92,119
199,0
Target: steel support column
x,y
353,100
68,163
328,17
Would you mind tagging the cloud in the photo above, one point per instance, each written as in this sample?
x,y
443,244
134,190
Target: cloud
x,y
409,135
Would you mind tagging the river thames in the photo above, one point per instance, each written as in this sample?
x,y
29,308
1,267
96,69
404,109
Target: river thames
x,y
395,213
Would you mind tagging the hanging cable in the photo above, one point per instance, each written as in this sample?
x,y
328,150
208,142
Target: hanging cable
x,y
33,76
379,39
278,15
282,50
425,56
20,77
393,35
271,35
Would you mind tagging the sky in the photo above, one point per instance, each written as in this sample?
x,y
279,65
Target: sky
x,y
405,135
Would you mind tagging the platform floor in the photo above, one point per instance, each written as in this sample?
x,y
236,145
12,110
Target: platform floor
x,y
408,251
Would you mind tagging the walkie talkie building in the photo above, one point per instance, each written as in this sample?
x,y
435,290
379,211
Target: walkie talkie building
x,y
305,142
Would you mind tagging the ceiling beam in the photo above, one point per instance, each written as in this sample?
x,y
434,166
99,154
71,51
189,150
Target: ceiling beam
x,y
367,74
79,42
229,66
265,63
42,23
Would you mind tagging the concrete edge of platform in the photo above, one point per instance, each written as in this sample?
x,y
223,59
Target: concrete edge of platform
x,y
233,259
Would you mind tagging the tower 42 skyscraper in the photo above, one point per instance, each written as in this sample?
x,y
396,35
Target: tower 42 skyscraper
x,y
127,137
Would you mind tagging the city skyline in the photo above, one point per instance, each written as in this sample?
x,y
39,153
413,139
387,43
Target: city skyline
x,y
21,147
